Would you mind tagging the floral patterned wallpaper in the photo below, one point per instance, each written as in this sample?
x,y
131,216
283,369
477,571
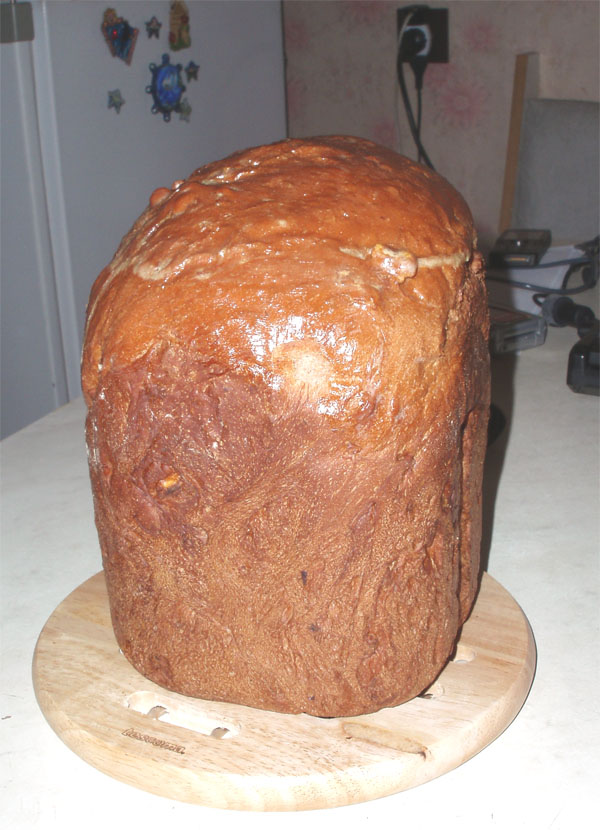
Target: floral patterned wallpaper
x,y
341,78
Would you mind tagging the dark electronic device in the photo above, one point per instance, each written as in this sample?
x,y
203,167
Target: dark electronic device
x,y
512,330
583,370
517,248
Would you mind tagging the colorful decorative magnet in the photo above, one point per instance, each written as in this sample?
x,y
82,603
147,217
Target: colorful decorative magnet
x,y
115,100
166,87
185,110
179,26
119,35
153,27
191,71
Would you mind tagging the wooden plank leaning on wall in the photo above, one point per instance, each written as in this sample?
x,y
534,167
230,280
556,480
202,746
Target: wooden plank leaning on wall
x,y
525,85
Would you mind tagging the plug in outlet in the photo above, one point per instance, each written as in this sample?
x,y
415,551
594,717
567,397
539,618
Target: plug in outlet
x,y
422,33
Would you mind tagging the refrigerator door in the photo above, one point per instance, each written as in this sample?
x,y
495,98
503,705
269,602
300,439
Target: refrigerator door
x,y
79,172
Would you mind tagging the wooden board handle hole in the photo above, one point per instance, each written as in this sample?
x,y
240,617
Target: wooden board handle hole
x,y
463,654
160,707
433,692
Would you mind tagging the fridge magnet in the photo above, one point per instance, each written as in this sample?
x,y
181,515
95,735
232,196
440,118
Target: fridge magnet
x,y
179,26
185,110
115,100
119,36
153,27
166,87
191,71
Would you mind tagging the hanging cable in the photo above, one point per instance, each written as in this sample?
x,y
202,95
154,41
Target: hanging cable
x,y
418,65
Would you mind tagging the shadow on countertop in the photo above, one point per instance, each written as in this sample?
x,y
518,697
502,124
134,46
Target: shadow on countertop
x,y
502,375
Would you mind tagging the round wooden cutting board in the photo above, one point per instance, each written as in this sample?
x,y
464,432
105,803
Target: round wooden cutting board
x,y
224,755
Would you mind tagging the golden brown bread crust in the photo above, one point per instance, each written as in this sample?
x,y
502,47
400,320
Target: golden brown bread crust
x,y
286,372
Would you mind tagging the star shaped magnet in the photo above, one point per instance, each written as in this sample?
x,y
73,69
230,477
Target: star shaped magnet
x,y
185,110
115,100
153,27
191,71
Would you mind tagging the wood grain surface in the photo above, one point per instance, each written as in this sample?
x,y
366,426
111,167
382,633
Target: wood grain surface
x,y
525,85
230,756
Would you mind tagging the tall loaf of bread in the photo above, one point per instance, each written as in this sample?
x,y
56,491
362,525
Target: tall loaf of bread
x,y
286,374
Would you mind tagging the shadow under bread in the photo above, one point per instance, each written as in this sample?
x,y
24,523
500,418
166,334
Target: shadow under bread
x,y
502,379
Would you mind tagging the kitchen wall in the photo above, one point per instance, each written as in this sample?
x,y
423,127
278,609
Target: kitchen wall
x,y
341,77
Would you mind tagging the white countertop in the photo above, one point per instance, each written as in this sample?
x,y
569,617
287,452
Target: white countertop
x,y
542,500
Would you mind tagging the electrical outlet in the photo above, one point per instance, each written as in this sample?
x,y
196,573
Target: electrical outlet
x,y
422,33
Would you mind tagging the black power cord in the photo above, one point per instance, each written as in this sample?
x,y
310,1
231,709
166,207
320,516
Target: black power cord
x,y
583,367
559,310
587,263
411,42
